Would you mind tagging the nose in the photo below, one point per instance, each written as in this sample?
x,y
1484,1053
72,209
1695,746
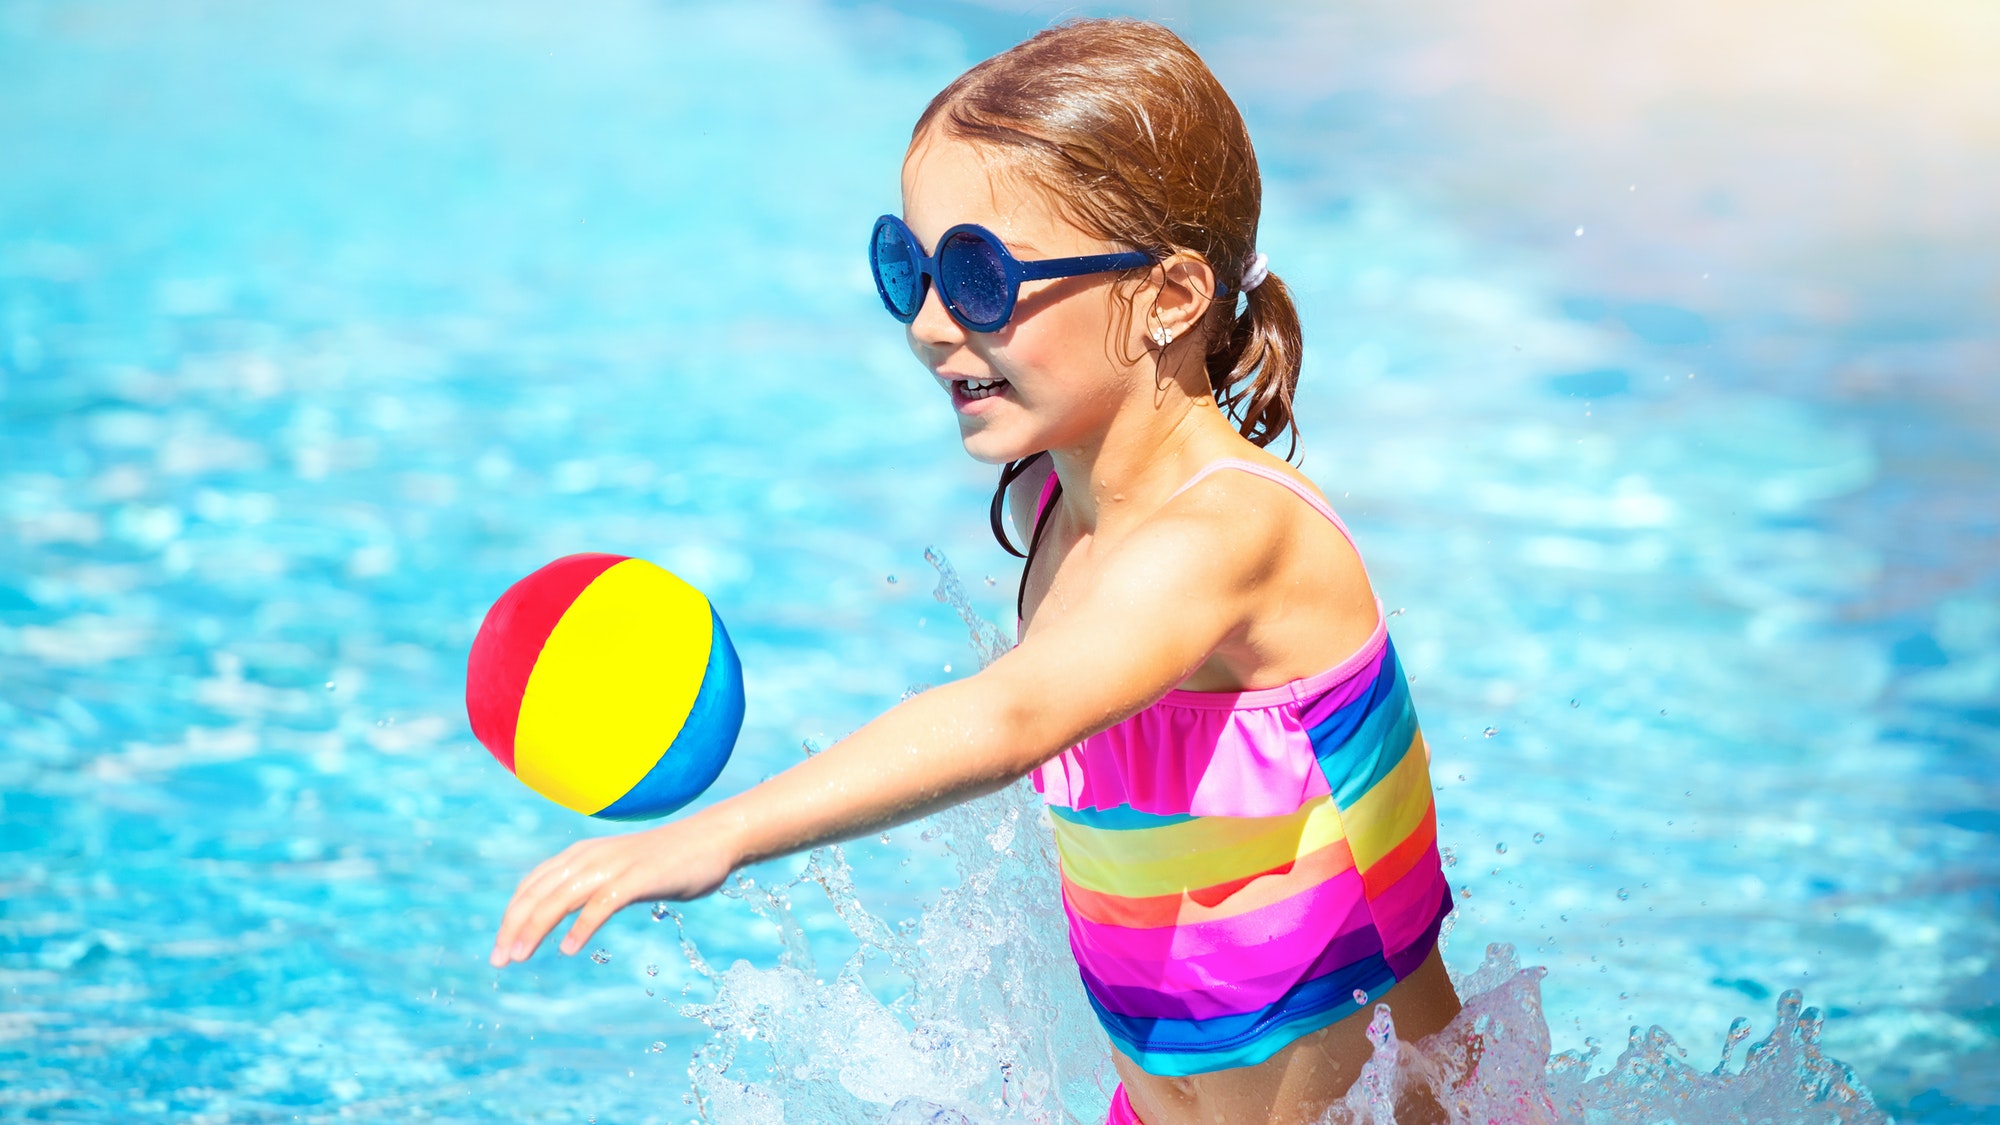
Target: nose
x,y
934,330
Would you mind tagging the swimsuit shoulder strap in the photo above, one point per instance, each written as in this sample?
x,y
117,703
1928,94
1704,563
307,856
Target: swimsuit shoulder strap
x,y
1042,502
1312,498
1304,493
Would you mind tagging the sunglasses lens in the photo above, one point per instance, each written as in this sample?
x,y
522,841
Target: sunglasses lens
x,y
974,278
895,261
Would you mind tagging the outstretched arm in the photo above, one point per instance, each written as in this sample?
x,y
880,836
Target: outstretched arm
x,y
1158,607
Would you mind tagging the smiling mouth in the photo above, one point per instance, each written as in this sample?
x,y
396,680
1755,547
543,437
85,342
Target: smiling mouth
x,y
972,390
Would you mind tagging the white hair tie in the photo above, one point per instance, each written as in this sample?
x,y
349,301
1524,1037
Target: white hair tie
x,y
1255,273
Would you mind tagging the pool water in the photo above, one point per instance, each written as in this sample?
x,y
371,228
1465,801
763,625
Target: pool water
x,y
1653,366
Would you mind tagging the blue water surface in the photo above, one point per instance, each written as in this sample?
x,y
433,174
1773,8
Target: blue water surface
x,y
1660,391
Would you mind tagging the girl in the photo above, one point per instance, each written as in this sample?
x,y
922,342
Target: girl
x,y
1203,690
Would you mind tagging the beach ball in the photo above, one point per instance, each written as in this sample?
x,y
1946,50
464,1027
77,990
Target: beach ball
x,y
607,685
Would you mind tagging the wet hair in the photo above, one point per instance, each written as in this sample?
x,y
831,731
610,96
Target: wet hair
x,y
1137,143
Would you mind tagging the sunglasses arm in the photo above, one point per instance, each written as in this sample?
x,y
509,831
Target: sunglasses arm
x,y
1046,268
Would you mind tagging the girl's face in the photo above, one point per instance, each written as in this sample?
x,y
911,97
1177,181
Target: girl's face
x,y
1057,368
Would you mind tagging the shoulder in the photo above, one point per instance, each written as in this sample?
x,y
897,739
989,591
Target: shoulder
x,y
1247,506
1224,532
1257,527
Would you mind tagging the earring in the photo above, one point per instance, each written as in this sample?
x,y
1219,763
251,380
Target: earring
x,y
1162,335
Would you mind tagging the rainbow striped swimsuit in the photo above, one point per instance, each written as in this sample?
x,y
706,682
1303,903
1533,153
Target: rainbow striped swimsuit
x,y
1242,869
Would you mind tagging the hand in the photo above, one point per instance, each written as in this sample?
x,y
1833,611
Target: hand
x,y
681,860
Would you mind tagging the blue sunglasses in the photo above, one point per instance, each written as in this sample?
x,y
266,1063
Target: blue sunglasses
x,y
976,276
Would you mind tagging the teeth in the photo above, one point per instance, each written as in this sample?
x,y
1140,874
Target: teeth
x,y
980,384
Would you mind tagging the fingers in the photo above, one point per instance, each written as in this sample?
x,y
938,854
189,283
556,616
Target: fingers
x,y
527,894
601,906
543,899
545,876
596,878
547,912
561,865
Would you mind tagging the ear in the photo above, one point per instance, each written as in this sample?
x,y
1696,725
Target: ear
x,y
1184,290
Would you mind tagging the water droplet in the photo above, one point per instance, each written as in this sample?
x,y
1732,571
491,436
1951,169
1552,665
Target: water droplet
x,y
1360,997
1398,612
1663,710
1500,848
1461,777
329,685
990,582
1624,996
1572,703
660,911
1739,1030
652,970
600,956
1449,855
1539,837
892,580
882,839
657,1046
1579,232
1623,894
947,669
1490,731
649,992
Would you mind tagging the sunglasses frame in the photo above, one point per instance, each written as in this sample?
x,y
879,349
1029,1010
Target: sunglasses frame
x,y
1017,271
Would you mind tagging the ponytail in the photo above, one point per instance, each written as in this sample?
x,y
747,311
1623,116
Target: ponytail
x,y
1261,346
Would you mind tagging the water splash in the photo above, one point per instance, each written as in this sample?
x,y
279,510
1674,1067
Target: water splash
x,y
1492,1064
993,1025
989,641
